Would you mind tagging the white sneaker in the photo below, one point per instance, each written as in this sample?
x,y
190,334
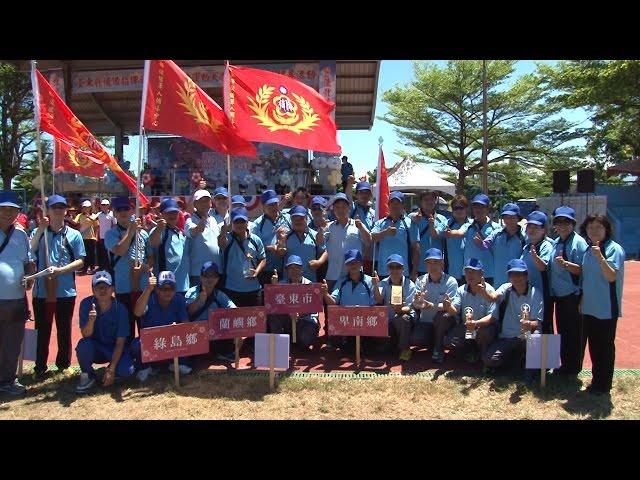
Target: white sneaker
x,y
143,374
86,382
184,369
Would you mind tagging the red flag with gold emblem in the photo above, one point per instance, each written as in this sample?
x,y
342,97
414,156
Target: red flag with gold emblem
x,y
56,118
175,104
71,159
269,107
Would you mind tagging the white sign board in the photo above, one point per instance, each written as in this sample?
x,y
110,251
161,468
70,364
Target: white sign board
x,y
262,351
534,351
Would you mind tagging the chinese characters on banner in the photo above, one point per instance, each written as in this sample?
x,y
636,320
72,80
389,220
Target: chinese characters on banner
x,y
237,322
354,321
287,298
170,341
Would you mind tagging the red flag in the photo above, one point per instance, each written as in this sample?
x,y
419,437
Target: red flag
x,y
71,159
175,104
56,118
269,107
382,188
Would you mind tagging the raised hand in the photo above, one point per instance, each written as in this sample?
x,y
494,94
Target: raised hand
x,y
93,314
596,250
358,222
534,252
392,229
446,302
161,223
477,239
417,217
274,277
153,281
375,279
432,219
325,288
43,223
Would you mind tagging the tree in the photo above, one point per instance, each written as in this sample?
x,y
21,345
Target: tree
x,y
17,132
440,113
30,170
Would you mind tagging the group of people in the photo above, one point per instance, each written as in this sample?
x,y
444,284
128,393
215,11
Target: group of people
x,y
470,286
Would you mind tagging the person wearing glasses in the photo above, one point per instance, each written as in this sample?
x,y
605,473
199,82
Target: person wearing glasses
x,y
454,245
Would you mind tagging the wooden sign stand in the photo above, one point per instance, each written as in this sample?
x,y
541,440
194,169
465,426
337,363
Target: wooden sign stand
x,y
293,329
357,350
238,341
176,371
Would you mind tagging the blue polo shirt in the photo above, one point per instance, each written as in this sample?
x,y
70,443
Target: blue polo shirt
x,y
306,249
233,258
307,317
61,247
203,247
511,322
538,279
177,256
123,266
338,240
367,214
426,240
406,229
600,298
455,250
471,250
156,316
348,292
481,306
408,292
504,247
220,301
435,293
562,283
109,325
12,262
266,229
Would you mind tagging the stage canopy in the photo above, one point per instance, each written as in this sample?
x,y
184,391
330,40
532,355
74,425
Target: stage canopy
x,y
409,176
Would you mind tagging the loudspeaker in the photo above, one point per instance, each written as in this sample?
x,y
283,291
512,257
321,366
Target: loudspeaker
x,y
586,181
561,181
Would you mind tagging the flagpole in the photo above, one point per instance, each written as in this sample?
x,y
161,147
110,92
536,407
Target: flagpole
x,y
141,138
53,169
377,201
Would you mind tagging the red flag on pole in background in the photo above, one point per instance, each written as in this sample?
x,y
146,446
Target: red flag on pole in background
x,y
269,107
382,188
73,160
175,104
56,118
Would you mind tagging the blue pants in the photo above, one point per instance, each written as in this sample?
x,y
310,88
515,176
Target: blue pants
x,y
136,352
90,351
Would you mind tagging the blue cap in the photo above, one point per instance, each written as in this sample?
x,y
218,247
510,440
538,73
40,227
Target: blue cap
x,y
482,199
434,254
510,209
166,278
221,191
339,196
169,205
395,258
352,255
294,260
473,264
516,265
298,211
238,199
239,214
396,195
363,186
537,218
564,211
121,202
9,199
53,199
101,277
209,267
268,197
319,201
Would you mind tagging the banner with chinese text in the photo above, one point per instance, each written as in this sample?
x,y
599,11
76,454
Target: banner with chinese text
x,y
170,341
288,298
353,321
237,322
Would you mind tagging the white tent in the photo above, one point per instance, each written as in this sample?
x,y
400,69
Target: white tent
x,y
409,176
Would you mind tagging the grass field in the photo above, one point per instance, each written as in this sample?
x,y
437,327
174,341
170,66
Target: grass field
x,y
208,395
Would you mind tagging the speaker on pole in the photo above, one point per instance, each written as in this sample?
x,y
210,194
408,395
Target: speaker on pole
x,y
561,181
586,181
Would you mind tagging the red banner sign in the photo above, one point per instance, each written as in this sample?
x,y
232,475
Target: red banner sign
x,y
363,321
237,322
293,298
170,341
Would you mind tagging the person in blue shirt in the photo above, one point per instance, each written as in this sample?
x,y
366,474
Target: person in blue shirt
x,y
346,170
206,297
602,281
401,316
272,228
170,248
319,223
104,325
505,243
16,261
220,205
537,255
431,225
454,245
307,324
202,231
519,310
55,294
397,234
565,270
363,209
435,292
305,243
130,277
159,305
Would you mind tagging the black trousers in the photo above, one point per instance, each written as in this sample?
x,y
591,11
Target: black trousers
x,y
569,326
43,314
90,248
103,260
547,316
127,299
601,335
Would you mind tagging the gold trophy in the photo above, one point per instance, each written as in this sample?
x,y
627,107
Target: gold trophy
x,y
396,295
525,309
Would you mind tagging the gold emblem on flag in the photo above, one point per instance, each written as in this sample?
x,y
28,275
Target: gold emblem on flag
x,y
195,107
282,112
78,159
